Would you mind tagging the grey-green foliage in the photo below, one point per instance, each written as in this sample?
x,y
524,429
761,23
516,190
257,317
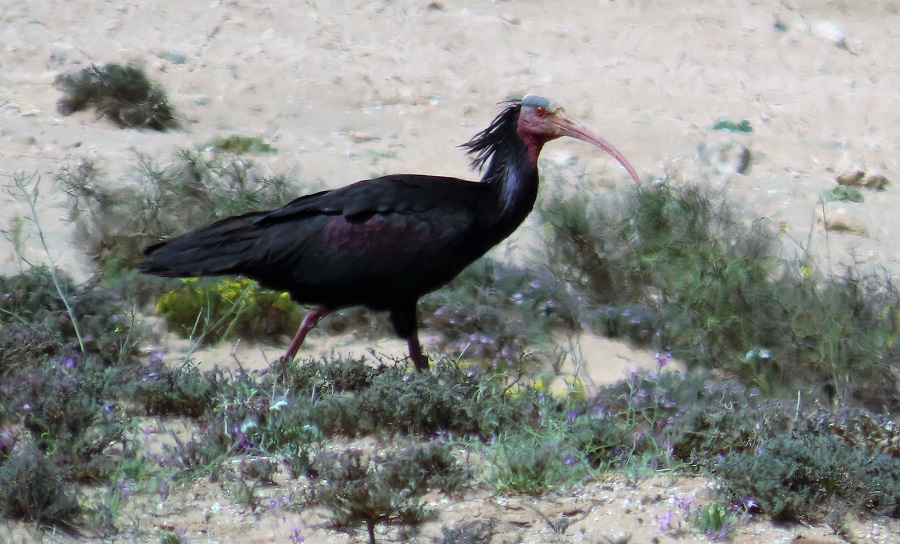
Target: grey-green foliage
x,y
678,267
383,489
117,219
121,93
32,488
797,478
35,321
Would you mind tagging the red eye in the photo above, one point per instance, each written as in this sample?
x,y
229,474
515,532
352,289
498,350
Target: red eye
x,y
541,112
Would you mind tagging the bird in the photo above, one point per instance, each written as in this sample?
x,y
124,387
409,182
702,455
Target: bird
x,y
385,242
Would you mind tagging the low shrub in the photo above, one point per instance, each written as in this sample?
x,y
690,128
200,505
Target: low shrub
x,y
210,310
33,489
382,489
805,477
500,314
676,267
117,219
121,93
241,145
36,323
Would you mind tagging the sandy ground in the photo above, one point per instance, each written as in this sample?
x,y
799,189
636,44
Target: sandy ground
x,y
351,89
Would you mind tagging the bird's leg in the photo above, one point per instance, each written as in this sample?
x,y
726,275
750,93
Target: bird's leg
x,y
312,318
415,352
403,318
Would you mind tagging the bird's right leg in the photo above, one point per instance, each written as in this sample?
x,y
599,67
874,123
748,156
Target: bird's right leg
x,y
312,318
403,318
415,352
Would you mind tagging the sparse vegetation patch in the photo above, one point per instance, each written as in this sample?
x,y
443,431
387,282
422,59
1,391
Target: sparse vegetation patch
x,y
121,93
678,269
792,374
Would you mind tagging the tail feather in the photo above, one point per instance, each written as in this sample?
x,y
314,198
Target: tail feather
x,y
219,249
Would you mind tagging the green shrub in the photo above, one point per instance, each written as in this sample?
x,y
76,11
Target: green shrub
x,y
330,374
122,94
71,415
353,399
35,321
179,391
249,418
469,532
382,489
423,403
676,267
802,478
117,219
532,462
843,193
501,315
210,310
32,489
241,145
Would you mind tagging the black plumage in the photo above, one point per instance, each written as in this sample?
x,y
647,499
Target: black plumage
x,y
385,242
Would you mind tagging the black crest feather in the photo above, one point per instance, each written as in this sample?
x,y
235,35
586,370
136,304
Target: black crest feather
x,y
496,139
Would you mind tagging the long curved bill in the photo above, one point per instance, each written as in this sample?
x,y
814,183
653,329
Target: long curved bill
x,y
571,128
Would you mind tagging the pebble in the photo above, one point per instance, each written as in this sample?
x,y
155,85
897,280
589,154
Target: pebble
x,y
831,32
850,177
839,217
727,156
859,178
875,181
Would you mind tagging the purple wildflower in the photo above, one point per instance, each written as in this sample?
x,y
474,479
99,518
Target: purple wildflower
x,y
163,490
156,356
745,503
68,361
664,522
296,537
124,489
663,359
721,534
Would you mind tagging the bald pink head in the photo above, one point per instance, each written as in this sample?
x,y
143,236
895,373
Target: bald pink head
x,y
542,120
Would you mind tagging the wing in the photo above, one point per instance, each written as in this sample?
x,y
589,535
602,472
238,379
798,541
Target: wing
x,y
400,193
368,243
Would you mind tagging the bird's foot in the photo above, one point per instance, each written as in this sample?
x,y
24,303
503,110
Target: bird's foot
x,y
280,367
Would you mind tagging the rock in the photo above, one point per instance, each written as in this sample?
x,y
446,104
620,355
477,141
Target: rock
x,y
855,177
840,217
874,181
831,32
844,224
727,156
173,57
850,177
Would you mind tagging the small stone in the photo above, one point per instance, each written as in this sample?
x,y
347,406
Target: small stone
x,y
843,224
837,217
831,32
875,181
173,57
362,137
727,156
850,177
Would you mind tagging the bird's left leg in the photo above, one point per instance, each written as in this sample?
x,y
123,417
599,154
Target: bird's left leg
x,y
403,319
312,318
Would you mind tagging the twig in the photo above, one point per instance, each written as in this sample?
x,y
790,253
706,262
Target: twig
x,y
30,196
